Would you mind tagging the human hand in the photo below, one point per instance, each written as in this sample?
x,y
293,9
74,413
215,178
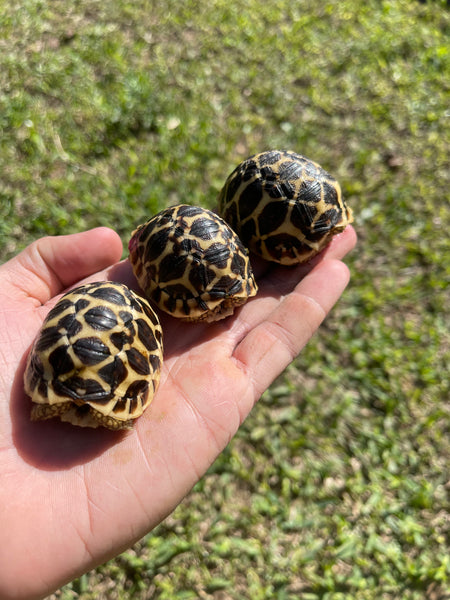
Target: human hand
x,y
70,497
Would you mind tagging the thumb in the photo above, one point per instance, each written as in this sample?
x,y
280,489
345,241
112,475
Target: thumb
x,y
51,264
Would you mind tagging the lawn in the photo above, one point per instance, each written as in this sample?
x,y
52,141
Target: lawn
x,y
337,485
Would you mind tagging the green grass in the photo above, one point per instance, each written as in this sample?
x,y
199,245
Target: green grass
x,y
336,486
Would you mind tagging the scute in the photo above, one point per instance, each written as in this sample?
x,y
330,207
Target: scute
x,y
201,271
90,350
101,318
102,371
283,206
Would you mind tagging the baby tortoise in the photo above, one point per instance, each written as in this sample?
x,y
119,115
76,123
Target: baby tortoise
x,y
97,358
191,264
283,206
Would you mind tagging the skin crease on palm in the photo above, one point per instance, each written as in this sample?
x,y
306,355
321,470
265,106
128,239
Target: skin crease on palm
x,y
70,497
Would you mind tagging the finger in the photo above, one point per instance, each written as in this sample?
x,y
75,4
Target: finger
x,y
340,245
280,280
51,264
270,346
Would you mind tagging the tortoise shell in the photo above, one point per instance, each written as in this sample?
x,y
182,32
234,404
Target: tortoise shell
x,y
97,358
283,206
191,264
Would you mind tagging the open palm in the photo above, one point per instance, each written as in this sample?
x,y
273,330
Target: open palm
x,y
70,498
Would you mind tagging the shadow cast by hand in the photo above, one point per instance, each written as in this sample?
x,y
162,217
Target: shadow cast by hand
x,y
52,445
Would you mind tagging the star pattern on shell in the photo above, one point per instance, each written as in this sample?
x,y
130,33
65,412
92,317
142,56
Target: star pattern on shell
x,y
283,206
97,358
191,264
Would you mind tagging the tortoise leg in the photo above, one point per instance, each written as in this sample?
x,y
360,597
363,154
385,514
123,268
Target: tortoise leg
x,y
40,412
